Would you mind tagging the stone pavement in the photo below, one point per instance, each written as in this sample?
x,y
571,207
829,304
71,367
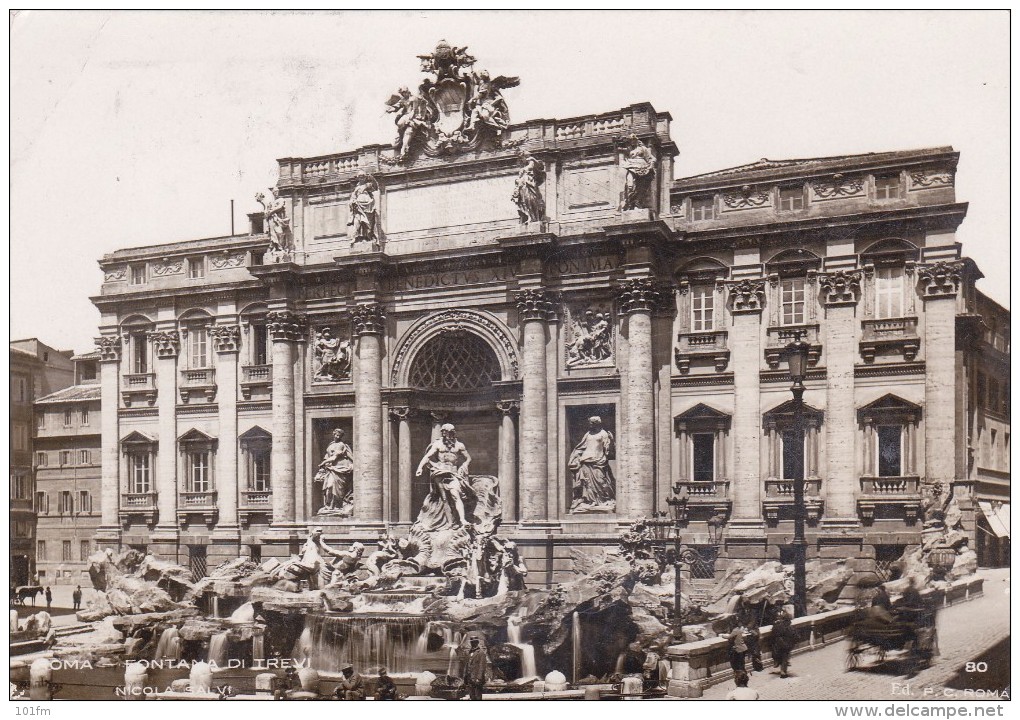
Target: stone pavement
x,y
965,631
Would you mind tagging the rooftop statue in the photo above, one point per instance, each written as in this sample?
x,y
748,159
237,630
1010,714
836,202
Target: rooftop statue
x,y
281,241
527,195
363,216
457,110
639,165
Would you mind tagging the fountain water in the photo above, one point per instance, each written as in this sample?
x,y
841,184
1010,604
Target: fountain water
x,y
366,641
513,632
169,645
218,645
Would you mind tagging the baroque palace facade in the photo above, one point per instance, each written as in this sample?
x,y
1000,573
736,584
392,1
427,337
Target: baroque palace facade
x,y
515,281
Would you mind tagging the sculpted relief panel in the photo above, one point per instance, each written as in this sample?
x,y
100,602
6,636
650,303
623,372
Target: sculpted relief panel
x,y
331,354
589,336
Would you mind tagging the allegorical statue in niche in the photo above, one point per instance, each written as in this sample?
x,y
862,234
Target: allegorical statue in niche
x,y
281,241
448,463
639,165
527,195
335,473
332,357
486,104
363,218
594,487
591,342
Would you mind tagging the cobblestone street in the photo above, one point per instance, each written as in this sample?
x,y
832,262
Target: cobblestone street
x,y
965,631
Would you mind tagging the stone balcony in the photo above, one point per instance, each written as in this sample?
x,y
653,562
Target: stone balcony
x,y
138,387
255,502
889,498
707,497
200,382
778,337
701,347
138,506
255,376
192,505
778,502
895,334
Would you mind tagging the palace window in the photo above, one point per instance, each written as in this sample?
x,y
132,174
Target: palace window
x,y
19,436
20,487
138,274
40,549
791,199
65,551
890,431
65,502
889,291
260,344
68,417
19,389
42,503
256,446
84,457
703,434
22,528
887,187
139,450
84,416
792,301
65,457
196,268
86,550
198,471
40,421
702,308
793,453
198,452
198,345
139,352
703,208
84,501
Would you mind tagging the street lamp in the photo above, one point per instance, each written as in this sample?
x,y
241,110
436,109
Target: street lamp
x,y
682,555
797,357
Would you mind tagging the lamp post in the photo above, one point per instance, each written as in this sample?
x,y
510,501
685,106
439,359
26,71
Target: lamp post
x,y
682,555
797,352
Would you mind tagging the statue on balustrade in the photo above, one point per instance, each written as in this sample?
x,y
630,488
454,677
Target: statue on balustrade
x,y
639,165
335,473
363,218
448,462
281,241
594,487
332,357
591,340
527,195
414,116
487,106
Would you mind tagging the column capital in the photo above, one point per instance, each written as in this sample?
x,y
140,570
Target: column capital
x,y
287,326
368,318
108,348
747,296
535,304
639,295
225,338
404,413
940,279
166,344
840,287
508,407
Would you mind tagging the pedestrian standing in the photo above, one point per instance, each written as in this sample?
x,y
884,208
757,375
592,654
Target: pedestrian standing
x,y
741,691
49,597
477,670
737,648
783,642
76,598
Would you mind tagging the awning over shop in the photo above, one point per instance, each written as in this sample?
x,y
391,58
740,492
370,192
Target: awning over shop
x,y
996,517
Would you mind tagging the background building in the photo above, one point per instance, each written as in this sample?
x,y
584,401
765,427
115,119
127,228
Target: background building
x,y
67,476
666,317
36,370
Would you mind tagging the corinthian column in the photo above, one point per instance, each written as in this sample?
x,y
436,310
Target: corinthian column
x,y
286,329
109,376
167,345
226,343
638,298
369,324
535,309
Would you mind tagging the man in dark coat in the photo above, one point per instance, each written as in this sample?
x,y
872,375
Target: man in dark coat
x,y
783,641
737,648
477,670
49,598
386,689
351,685
76,598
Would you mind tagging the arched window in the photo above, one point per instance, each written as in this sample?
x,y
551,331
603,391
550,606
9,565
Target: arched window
x,y
454,360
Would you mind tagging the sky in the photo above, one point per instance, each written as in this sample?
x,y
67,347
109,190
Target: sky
x,y
138,128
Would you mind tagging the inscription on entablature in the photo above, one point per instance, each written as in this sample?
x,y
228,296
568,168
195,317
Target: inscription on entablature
x,y
450,278
324,291
566,267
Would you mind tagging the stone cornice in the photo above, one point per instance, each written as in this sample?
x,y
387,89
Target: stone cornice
x,y
889,369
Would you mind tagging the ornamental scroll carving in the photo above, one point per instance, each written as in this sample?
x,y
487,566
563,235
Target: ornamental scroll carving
x,y
108,348
535,305
168,266
839,186
368,319
841,287
747,296
941,279
286,326
455,321
589,339
166,344
225,338
931,178
115,275
226,260
639,295
746,198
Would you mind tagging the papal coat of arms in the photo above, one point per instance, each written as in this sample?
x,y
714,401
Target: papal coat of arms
x,y
456,110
